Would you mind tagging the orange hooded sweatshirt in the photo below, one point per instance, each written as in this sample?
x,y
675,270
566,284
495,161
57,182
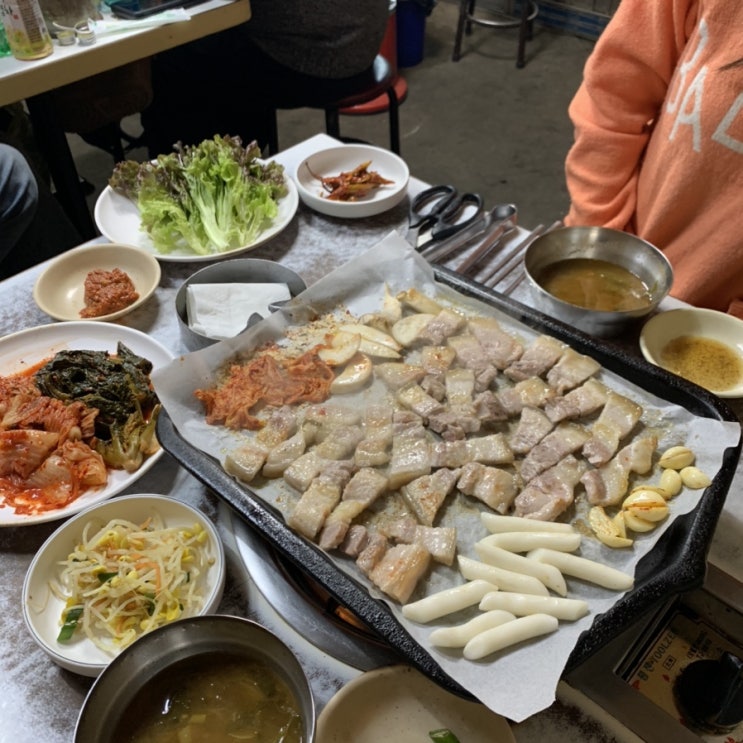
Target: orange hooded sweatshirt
x,y
659,140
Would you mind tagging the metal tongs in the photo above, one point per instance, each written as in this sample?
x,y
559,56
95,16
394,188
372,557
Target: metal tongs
x,y
482,229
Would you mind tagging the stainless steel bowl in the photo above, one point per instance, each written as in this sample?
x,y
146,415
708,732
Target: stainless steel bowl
x,y
235,271
159,650
621,248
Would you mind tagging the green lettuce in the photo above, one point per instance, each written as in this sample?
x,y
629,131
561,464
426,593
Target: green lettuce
x,y
211,197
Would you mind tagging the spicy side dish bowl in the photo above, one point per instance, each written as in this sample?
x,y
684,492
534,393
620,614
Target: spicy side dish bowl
x,y
117,571
64,289
317,174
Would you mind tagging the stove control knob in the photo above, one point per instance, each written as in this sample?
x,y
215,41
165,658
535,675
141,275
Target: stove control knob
x,y
709,693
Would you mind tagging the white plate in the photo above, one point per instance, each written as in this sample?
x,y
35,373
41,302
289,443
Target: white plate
x,y
398,703
26,348
118,219
42,609
341,159
60,289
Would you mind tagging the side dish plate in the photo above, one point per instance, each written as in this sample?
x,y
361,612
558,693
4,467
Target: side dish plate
x,y
118,219
26,348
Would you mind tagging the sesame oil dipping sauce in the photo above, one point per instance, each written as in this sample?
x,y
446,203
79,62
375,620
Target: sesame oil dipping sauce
x,y
704,361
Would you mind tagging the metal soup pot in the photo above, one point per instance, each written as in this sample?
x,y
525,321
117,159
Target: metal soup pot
x,y
163,648
637,256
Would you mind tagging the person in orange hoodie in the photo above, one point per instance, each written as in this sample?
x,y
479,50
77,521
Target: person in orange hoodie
x,y
658,147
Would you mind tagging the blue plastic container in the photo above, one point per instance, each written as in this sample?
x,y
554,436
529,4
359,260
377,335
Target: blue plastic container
x,y
411,32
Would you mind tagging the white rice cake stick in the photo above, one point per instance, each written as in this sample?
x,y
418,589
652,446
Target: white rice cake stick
x,y
584,569
445,602
523,604
459,635
548,574
525,541
496,523
521,629
506,580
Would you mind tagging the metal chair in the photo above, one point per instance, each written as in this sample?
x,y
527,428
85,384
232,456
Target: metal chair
x,y
380,81
499,20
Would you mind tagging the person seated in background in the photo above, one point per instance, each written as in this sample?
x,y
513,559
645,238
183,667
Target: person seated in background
x,y
229,82
658,147
19,198
33,226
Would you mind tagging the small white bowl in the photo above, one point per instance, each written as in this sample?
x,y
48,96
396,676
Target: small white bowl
x,y
694,321
341,159
398,703
60,289
42,609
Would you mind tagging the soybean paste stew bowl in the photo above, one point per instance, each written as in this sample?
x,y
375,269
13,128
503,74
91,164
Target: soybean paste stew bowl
x,y
210,678
596,279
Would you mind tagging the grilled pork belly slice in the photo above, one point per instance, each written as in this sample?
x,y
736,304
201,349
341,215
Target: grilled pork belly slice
x,y
493,486
364,487
440,541
490,449
437,359
398,571
330,415
320,498
618,417
445,324
355,540
281,424
607,485
532,427
566,439
426,494
396,374
469,352
410,456
281,456
488,408
374,449
245,462
572,369
303,470
374,548
577,403
433,385
532,393
501,348
340,442
552,492
420,402
537,359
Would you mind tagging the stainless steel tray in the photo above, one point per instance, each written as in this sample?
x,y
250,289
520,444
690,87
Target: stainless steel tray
x,y
676,563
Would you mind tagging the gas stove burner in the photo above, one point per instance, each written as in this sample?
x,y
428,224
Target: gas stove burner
x,y
308,608
326,604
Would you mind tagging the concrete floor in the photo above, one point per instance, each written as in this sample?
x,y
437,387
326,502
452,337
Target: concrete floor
x,y
480,123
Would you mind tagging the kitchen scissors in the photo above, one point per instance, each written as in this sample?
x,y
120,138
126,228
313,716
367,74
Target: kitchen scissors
x,y
440,212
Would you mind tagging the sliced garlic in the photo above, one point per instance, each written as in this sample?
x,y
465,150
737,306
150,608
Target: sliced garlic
x,y
606,530
342,348
676,458
372,334
694,478
354,376
419,301
670,482
408,330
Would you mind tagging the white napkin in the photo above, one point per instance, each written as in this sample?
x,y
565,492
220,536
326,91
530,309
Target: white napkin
x,y
222,310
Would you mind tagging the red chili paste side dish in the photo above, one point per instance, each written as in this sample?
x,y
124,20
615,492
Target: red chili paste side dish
x,y
107,292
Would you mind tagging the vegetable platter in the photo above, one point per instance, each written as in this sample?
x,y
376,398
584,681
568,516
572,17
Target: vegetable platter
x,y
522,681
24,350
211,201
